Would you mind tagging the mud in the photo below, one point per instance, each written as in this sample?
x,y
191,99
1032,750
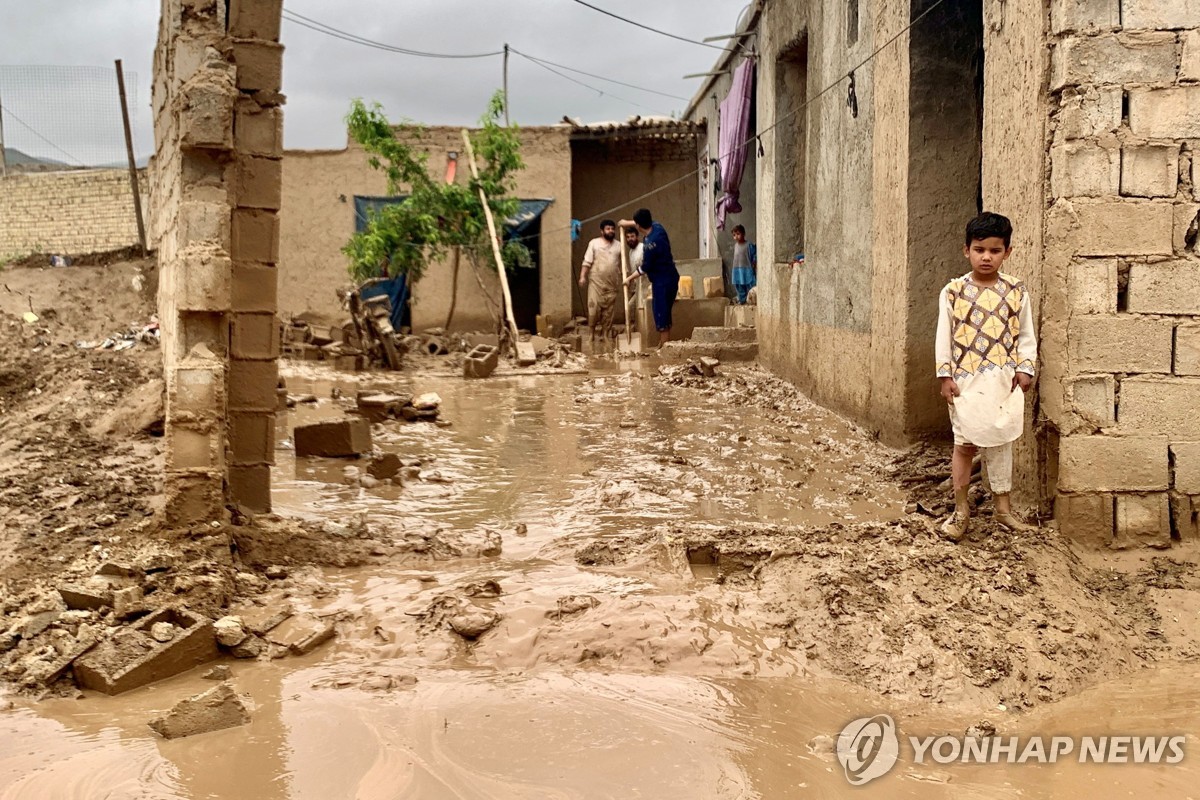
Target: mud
x,y
638,581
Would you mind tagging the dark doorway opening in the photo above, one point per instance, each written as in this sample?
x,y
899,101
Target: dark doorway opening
x,y
791,95
525,283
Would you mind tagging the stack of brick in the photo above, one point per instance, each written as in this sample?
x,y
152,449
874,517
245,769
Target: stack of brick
x,y
1121,239
214,199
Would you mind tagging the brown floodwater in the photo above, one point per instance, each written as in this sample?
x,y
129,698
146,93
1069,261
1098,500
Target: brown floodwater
x,y
576,459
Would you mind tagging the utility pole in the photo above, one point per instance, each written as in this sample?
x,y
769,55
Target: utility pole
x,y
506,120
133,176
3,157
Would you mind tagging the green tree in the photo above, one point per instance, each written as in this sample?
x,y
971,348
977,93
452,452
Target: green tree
x,y
436,220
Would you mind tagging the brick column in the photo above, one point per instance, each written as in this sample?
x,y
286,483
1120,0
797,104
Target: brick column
x,y
214,200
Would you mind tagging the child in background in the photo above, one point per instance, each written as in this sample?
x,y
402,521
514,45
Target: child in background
x,y
745,264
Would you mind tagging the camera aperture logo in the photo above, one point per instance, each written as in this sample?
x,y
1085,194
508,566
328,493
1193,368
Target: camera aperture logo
x,y
867,748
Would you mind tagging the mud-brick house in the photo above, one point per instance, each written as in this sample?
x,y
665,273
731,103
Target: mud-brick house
x,y
1077,119
573,171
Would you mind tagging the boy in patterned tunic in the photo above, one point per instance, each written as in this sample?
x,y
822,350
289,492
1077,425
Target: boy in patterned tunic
x,y
986,350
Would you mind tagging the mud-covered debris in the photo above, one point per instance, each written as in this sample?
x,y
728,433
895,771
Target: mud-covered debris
x,y
342,438
981,729
131,657
384,467
86,596
427,401
162,632
471,622
261,619
379,406
128,602
301,634
221,672
276,572
251,647
821,745
213,710
482,543
572,604
522,529
708,366
488,588
230,631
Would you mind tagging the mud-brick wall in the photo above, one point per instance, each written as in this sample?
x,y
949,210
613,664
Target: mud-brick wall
x,y
81,211
1121,253
215,194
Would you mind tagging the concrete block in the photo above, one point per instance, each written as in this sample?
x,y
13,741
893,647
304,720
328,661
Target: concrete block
x,y
350,363
258,131
385,467
301,634
714,287
1187,349
1086,519
1160,14
481,362
250,487
259,65
254,336
216,709
1113,464
205,120
1122,227
255,235
190,448
1084,16
251,438
1083,169
1121,343
196,390
1157,405
1185,463
258,183
252,385
725,335
86,596
379,406
131,658
1143,521
1092,286
1094,398
1185,516
1165,113
1144,57
344,438
202,332
1169,287
740,316
1089,112
1186,218
255,19
254,288
1150,170
204,223
1189,63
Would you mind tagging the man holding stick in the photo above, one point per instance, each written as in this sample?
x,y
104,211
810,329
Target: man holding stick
x,y
659,266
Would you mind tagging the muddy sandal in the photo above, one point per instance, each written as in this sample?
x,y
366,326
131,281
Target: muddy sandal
x,y
1011,522
955,526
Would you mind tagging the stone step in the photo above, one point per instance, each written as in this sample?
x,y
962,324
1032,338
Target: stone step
x,y
725,352
725,335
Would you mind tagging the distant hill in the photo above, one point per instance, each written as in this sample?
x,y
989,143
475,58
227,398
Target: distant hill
x,y
19,161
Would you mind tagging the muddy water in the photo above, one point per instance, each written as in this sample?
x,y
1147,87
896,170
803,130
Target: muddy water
x,y
694,708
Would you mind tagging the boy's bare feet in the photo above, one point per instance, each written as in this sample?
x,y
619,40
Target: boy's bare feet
x,y
1010,521
955,526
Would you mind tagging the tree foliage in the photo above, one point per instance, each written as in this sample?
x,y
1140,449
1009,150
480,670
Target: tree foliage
x,y
403,238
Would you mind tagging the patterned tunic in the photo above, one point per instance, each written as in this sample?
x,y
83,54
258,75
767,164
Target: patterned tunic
x,y
985,336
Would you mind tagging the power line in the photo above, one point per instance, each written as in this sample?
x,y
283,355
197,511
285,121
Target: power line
x,y
9,113
595,89
778,121
601,77
329,30
647,27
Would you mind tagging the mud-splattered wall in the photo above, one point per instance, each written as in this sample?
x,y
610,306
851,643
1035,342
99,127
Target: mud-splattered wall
x,y
215,189
1122,270
79,211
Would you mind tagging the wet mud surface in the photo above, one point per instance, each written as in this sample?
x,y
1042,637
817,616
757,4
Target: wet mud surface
x,y
635,582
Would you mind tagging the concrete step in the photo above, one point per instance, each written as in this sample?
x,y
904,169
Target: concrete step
x,y
725,335
740,316
685,350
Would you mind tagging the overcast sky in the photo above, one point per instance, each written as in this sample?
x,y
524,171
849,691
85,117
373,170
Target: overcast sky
x,y
77,111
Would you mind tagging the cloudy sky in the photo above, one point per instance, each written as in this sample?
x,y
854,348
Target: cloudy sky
x,y
72,114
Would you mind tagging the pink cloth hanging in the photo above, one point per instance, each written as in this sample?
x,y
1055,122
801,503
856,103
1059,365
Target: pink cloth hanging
x,y
731,139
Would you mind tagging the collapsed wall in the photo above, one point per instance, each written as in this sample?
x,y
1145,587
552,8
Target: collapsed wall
x,y
215,197
1122,265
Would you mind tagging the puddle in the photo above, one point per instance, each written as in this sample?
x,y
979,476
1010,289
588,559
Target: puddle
x,y
651,692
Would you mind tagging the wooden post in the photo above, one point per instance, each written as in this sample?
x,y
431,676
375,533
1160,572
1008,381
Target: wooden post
x,y
3,157
625,289
525,355
506,122
133,176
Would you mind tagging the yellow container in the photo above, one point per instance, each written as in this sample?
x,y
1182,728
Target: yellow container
x,y
685,288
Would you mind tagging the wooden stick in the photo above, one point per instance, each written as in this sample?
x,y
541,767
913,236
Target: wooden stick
x,y
625,289
491,223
